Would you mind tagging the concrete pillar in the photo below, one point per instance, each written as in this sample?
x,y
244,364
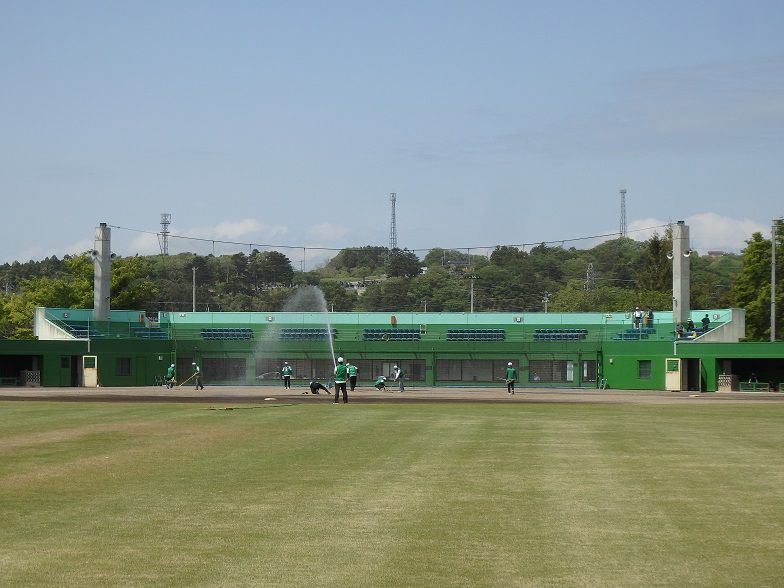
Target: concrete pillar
x,y
681,281
102,264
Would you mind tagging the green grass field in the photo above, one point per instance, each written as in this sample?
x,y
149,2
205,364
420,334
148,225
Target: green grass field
x,y
121,494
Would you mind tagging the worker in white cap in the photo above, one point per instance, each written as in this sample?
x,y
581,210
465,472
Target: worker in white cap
x,y
285,371
170,376
341,378
197,375
511,376
400,376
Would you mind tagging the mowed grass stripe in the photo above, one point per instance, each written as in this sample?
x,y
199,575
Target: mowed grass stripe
x,y
480,495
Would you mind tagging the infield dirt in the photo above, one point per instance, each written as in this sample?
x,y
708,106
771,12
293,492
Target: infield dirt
x,y
259,394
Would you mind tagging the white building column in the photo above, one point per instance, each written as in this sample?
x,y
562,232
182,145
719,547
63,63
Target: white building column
x,y
681,271
102,264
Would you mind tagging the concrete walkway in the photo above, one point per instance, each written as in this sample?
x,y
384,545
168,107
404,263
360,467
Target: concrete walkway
x,y
258,394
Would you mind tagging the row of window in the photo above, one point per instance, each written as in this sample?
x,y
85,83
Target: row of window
x,y
227,369
230,369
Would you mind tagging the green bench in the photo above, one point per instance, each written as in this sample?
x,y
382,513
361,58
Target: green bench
x,y
754,386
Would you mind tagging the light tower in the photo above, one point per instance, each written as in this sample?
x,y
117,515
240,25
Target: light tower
x,y
681,272
164,239
392,225
622,230
102,272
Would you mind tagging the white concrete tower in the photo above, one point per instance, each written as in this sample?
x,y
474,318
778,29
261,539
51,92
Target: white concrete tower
x,y
681,284
102,264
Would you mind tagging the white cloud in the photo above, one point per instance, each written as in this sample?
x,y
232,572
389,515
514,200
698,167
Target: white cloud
x,y
707,231
245,229
205,240
644,228
144,244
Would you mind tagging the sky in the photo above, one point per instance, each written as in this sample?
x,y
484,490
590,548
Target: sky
x,y
290,123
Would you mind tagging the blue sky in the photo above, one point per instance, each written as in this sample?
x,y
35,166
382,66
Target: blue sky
x,y
290,123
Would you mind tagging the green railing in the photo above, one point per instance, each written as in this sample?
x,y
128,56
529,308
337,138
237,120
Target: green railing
x,y
754,387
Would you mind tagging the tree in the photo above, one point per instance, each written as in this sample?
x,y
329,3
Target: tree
x,y
751,289
338,297
274,268
616,261
438,257
712,279
654,271
19,307
403,264
505,288
574,298
360,261
131,285
439,290
391,295
506,256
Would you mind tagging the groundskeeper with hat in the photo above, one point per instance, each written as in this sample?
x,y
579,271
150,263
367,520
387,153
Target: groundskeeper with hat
x,y
511,376
170,377
340,381
286,373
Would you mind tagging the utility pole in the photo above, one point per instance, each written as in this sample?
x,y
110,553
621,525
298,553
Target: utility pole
x,y
546,299
472,277
194,288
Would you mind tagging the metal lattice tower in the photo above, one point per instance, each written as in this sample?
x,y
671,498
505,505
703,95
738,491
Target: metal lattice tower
x,y
590,277
393,224
622,230
164,240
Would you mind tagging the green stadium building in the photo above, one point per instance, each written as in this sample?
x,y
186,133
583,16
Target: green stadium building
x,y
568,350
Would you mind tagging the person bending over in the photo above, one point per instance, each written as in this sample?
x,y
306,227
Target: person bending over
x,y
315,387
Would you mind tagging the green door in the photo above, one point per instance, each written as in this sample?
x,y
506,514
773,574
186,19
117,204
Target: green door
x,y
64,372
141,372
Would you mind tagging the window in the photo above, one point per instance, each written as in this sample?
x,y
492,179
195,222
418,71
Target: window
x,y
551,370
323,369
589,370
449,370
471,370
123,366
223,368
644,369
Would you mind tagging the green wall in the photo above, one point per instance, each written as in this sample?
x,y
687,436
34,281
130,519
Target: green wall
x,y
619,362
56,359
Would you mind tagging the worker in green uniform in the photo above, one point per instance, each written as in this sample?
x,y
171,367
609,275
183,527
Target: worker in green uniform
x,y
286,373
197,376
170,377
352,375
511,376
340,381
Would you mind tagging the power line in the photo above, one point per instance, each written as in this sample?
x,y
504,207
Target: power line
x,y
302,247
